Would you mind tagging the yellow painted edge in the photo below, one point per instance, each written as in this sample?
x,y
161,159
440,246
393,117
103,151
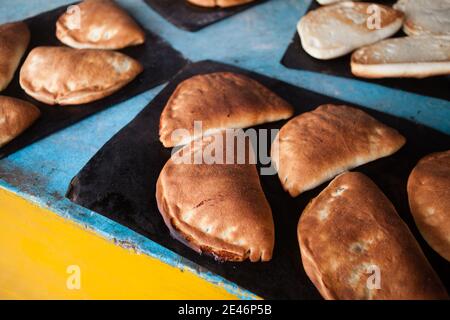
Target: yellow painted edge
x,y
44,256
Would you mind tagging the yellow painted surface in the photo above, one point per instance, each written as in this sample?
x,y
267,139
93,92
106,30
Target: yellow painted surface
x,y
37,247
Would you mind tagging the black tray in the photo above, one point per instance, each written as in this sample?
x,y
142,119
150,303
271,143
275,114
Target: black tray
x,y
297,58
192,18
160,63
119,183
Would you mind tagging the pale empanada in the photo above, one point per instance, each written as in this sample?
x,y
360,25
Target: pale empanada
x,y
429,199
15,117
219,100
354,246
219,3
58,75
98,24
14,39
216,209
316,146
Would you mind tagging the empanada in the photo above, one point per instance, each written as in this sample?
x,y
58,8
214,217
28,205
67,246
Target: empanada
x,y
15,117
219,100
354,246
14,40
429,199
216,209
326,2
58,75
98,24
219,3
316,146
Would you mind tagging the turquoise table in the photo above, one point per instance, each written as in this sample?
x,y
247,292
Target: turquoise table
x,y
255,39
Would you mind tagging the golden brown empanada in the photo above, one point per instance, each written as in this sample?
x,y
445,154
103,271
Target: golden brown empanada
x,y
59,75
316,146
216,209
429,199
219,100
98,24
354,246
219,3
14,40
15,117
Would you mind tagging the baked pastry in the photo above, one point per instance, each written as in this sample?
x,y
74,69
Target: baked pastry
x,y
335,30
219,3
316,146
425,17
354,246
218,208
98,24
429,199
59,75
325,2
14,40
416,57
15,117
219,100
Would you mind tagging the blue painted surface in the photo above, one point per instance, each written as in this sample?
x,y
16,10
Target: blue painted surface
x,y
255,39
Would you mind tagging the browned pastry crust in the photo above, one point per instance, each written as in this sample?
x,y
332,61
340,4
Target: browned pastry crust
x,y
316,146
100,24
351,229
14,39
220,100
216,209
429,199
219,3
59,75
15,117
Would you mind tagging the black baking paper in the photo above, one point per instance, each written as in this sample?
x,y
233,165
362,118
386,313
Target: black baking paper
x,y
119,183
192,18
297,58
160,63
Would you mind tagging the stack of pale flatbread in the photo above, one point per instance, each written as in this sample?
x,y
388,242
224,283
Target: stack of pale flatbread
x,y
85,71
351,229
342,27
